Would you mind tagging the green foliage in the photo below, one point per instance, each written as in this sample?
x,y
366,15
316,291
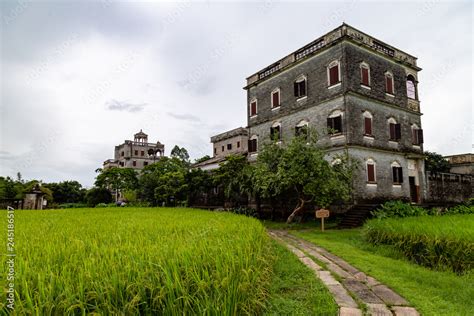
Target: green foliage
x,y
35,184
202,159
130,195
11,189
129,261
435,162
95,196
434,241
117,179
67,192
234,176
73,205
164,181
398,209
180,153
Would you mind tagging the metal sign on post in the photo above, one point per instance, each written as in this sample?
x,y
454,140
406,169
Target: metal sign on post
x,y
322,214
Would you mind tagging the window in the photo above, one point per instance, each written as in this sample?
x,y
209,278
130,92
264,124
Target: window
x,y
145,163
222,148
367,123
334,123
389,83
411,87
302,129
275,98
122,153
229,146
394,130
136,152
134,163
215,150
371,171
253,144
417,135
142,153
300,87
364,75
275,132
397,173
333,73
253,108
238,144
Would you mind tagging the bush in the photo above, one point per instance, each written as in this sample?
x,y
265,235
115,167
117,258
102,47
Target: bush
x,y
73,205
398,209
98,195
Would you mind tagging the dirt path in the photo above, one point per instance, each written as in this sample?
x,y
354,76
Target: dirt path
x,y
355,292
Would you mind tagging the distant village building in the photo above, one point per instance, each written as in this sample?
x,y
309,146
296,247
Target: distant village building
x,y
231,142
136,154
463,163
34,199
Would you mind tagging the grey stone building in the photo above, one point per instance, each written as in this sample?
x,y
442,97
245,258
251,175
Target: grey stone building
x,y
361,95
231,142
136,154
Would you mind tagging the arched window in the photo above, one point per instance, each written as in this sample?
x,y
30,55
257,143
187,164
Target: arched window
x,y
417,135
411,87
371,171
275,98
253,144
253,107
367,123
389,86
397,173
394,128
300,87
334,122
301,129
275,131
365,74
334,73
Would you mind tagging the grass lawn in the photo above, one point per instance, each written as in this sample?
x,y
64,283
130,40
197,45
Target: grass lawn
x,y
295,290
431,292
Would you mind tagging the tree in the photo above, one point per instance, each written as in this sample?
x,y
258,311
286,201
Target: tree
x,y
95,196
117,179
300,168
436,163
180,152
10,189
199,184
234,176
204,158
67,192
164,181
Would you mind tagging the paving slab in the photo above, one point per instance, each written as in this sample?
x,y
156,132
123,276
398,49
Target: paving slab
x,y
349,311
327,278
371,281
362,292
341,296
388,296
338,270
310,264
378,310
404,311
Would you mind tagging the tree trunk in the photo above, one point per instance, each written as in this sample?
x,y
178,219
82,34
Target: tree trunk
x,y
299,207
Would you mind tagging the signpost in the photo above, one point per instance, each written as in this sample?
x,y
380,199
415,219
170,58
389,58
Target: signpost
x,y
322,214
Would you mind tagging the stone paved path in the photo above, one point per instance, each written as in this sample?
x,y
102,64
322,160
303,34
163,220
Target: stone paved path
x,y
352,290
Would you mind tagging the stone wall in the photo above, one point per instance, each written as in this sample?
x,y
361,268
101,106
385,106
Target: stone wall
x,y
449,188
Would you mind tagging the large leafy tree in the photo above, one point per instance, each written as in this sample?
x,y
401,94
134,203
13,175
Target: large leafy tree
x,y
234,176
300,169
164,181
95,196
10,189
436,163
67,192
180,153
117,179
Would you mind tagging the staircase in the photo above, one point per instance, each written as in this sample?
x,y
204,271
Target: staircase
x,y
357,215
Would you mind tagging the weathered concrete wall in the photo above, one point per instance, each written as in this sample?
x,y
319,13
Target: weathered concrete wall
x,y
449,188
242,139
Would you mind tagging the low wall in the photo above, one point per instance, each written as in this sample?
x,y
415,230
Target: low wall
x,y
448,187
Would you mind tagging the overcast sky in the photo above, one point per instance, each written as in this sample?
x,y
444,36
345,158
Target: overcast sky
x,y
78,78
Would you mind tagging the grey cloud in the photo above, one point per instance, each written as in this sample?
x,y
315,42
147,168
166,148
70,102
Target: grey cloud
x,y
185,117
115,105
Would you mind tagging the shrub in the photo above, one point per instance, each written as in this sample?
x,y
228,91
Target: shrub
x,y
398,209
72,205
98,195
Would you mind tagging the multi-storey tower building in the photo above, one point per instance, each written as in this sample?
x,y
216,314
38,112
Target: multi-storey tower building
x,y
136,154
361,95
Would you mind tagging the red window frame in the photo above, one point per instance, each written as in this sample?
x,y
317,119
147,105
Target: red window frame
x,y
364,76
389,84
276,98
253,108
371,172
334,75
368,126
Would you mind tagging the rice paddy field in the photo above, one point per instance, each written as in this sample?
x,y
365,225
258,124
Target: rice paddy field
x,y
138,261
441,242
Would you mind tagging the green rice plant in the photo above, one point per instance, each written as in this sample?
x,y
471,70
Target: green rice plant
x,y
441,242
138,261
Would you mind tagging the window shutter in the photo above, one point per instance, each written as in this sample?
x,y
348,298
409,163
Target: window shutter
x,y
389,84
338,124
278,131
303,88
333,75
398,132
330,123
276,99
296,88
368,126
370,173
365,76
400,175
253,108
394,174
420,136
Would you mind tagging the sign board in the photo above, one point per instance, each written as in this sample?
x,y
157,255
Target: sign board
x,y
322,213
